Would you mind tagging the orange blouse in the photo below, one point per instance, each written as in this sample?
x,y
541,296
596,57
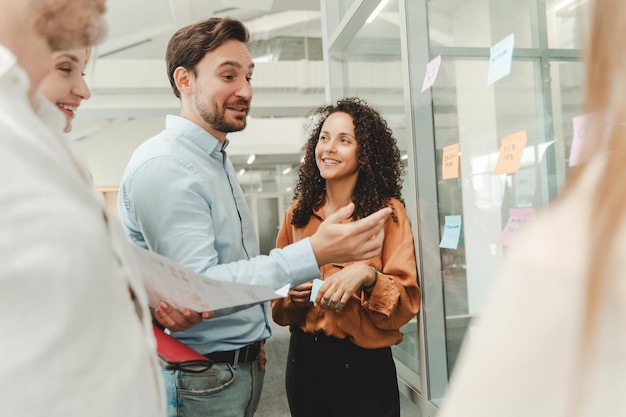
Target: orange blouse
x,y
369,322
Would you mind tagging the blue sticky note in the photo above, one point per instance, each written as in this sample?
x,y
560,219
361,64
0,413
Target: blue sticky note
x,y
500,59
317,283
451,232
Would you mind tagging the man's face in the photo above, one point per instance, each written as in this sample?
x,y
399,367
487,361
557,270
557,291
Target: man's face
x,y
222,91
70,24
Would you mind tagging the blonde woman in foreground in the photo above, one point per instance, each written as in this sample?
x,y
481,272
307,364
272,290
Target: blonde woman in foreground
x,y
552,338
76,328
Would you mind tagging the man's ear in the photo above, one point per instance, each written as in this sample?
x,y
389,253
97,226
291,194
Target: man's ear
x,y
182,77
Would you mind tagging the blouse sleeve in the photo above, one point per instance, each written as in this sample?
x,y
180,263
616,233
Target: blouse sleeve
x,y
396,297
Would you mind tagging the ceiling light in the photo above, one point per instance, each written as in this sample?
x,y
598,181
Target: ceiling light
x,y
241,172
286,171
251,159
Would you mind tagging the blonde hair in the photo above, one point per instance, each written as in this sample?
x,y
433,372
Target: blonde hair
x,y
606,106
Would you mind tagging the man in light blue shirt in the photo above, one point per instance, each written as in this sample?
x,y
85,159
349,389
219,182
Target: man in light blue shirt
x,y
180,197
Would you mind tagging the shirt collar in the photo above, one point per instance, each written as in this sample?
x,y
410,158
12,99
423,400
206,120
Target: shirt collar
x,y
50,114
200,137
10,70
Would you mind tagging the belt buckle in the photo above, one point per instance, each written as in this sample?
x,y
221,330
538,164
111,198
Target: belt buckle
x,y
241,354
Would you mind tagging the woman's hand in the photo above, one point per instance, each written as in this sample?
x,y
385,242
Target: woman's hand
x,y
339,287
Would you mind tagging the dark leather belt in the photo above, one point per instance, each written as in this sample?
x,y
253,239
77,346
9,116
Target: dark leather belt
x,y
242,355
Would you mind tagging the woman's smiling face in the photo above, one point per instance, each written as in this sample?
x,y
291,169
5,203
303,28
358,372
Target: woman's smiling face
x,y
65,86
336,152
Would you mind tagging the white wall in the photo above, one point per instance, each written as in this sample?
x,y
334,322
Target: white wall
x,y
107,152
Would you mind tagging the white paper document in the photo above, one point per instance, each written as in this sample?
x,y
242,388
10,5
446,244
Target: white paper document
x,y
166,280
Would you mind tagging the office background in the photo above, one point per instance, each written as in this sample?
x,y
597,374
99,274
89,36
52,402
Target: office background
x,y
311,52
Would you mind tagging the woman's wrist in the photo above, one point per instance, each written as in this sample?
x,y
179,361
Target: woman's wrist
x,y
373,283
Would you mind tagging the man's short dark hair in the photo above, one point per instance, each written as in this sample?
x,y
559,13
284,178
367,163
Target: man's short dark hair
x,y
190,44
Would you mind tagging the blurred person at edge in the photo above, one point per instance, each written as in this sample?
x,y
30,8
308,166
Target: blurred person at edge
x,y
65,86
76,329
551,340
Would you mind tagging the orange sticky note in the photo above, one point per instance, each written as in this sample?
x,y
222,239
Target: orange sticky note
x,y
450,162
511,153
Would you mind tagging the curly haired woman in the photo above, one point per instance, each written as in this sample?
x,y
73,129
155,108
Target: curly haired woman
x,y
340,361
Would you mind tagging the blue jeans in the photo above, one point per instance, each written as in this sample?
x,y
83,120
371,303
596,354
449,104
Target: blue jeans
x,y
222,391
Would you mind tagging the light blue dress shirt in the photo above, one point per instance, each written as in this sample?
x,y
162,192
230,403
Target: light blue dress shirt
x,y
180,197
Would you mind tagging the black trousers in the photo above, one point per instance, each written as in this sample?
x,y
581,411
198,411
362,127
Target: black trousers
x,y
331,377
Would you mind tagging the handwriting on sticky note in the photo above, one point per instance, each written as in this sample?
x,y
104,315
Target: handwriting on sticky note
x,y
500,59
432,69
451,232
518,217
511,151
450,162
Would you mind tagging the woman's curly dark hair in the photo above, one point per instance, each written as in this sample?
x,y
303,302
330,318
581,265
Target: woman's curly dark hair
x,y
379,160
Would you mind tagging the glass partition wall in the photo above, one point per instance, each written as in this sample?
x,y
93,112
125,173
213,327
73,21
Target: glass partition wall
x,y
365,60
482,154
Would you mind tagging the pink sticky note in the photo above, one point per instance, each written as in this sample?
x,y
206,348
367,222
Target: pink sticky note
x,y
432,69
518,217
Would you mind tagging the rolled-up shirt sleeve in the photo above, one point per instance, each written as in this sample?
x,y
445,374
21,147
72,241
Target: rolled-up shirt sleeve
x,y
168,208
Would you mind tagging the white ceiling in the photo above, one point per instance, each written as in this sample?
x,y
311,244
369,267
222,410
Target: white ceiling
x,y
141,28
129,70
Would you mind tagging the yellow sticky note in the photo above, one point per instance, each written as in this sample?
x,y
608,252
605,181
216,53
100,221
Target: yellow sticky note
x,y
511,153
450,162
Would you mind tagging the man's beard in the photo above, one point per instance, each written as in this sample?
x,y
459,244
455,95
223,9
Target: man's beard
x,y
70,24
217,120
